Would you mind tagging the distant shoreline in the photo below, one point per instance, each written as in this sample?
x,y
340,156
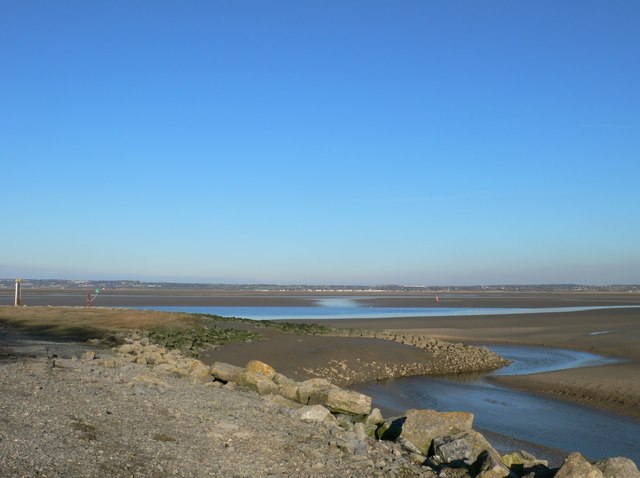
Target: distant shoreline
x,y
167,297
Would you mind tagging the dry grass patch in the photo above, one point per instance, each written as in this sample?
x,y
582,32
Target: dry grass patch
x,y
81,323
189,333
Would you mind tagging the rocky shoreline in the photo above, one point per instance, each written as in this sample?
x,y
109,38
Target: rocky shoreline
x,y
348,356
145,411
445,358
142,410
442,443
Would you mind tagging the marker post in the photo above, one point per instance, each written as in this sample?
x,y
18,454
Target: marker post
x,y
18,299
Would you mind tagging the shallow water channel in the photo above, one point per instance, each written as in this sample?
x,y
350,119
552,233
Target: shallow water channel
x,y
513,419
349,308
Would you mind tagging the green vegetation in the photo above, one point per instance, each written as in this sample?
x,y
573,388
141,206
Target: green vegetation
x,y
191,340
294,328
190,333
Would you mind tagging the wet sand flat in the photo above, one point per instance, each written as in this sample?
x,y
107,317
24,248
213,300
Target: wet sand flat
x,y
223,298
610,332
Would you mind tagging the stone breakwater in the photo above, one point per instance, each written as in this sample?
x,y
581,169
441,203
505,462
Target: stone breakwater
x,y
442,358
418,443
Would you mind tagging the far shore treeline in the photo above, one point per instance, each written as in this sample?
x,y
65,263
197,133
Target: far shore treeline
x,y
9,283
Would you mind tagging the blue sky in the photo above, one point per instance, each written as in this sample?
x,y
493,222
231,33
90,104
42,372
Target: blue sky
x,y
413,142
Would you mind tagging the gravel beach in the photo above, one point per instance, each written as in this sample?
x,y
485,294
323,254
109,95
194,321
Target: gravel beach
x,y
70,417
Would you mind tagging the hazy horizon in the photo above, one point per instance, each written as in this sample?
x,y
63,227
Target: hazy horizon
x,y
321,142
348,285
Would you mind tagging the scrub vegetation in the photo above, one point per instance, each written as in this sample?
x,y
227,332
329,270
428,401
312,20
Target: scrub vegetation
x,y
190,333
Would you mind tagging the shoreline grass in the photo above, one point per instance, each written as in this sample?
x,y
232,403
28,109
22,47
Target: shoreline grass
x,y
191,333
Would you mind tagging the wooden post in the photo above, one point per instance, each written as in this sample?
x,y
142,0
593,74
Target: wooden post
x,y
18,300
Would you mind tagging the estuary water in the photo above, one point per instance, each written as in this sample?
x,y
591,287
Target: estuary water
x,y
350,309
514,418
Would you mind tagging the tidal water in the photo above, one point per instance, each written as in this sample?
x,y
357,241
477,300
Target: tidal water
x,y
351,309
518,417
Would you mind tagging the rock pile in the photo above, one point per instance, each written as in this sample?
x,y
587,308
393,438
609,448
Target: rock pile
x,y
451,357
440,358
443,444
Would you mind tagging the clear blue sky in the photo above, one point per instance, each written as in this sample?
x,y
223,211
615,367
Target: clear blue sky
x,y
411,142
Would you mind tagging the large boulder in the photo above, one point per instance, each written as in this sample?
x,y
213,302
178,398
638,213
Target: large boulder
x,y
258,367
313,391
575,465
289,390
318,391
347,401
258,382
461,449
200,373
618,467
226,372
489,465
421,427
313,413
373,422
523,463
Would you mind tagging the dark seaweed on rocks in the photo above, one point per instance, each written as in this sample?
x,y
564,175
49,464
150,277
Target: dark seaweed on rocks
x,y
192,340
295,328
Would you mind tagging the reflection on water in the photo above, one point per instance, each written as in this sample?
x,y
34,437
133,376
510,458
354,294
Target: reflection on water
x,y
517,414
337,302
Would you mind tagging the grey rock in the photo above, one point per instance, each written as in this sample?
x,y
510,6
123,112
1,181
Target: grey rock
x,y
523,458
462,449
280,400
257,381
372,422
576,466
313,391
322,392
345,421
390,429
288,390
282,379
421,427
375,417
524,464
226,372
490,466
618,467
200,373
313,413
455,473
347,401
